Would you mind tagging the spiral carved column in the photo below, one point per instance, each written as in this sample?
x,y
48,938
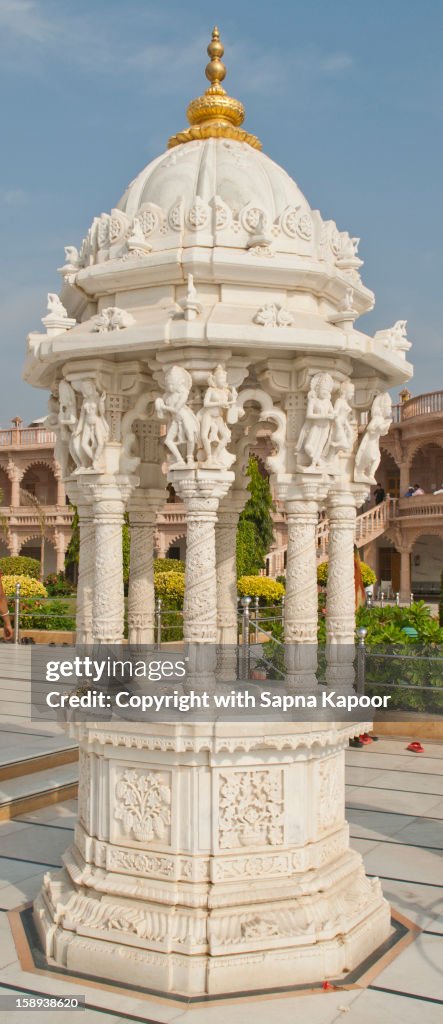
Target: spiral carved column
x,y
200,603
86,570
226,577
141,600
340,601
301,593
109,507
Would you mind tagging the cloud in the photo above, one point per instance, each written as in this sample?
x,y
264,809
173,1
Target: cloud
x,y
13,197
25,20
335,63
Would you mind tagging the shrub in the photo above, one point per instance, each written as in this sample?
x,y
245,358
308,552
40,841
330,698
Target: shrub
x,y
440,603
368,574
170,585
47,615
29,587
58,586
168,565
20,565
264,587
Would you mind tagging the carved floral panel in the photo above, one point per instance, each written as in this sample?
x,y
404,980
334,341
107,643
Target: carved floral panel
x,y
143,805
251,808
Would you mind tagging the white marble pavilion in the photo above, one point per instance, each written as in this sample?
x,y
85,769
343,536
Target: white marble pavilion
x,y
210,301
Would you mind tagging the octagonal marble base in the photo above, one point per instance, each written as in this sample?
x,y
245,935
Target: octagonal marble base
x,y
211,859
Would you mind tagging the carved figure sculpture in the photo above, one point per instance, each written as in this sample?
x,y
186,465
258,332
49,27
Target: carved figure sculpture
x,y
315,433
136,240
92,430
398,331
191,292
219,408
344,428
62,419
368,456
112,319
272,315
55,306
184,425
72,257
191,306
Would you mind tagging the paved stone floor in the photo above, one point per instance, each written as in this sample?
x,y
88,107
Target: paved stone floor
x,y
395,810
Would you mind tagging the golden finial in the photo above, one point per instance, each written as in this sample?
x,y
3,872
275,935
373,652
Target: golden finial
x,y
215,115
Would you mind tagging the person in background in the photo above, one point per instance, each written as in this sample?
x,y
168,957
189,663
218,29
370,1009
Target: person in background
x,y
409,492
440,490
379,494
417,490
4,614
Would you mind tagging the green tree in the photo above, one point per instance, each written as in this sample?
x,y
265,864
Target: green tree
x,y
73,548
255,528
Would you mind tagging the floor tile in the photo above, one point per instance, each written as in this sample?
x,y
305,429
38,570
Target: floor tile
x,y
417,969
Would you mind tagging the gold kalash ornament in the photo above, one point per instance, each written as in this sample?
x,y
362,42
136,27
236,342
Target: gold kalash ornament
x,y
215,115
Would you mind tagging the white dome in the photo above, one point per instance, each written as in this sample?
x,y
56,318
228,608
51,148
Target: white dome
x,y
231,170
216,192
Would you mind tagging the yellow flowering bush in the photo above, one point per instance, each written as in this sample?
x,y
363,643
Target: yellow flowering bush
x,y
169,584
260,586
368,574
28,586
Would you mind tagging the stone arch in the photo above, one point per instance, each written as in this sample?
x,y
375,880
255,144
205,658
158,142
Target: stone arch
x,y
31,545
423,445
388,473
426,561
40,480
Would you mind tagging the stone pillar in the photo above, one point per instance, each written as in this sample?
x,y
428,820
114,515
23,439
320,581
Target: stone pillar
x,y
340,601
59,544
108,603
226,565
14,544
60,499
201,492
15,475
301,604
200,603
141,600
86,568
226,583
404,478
405,573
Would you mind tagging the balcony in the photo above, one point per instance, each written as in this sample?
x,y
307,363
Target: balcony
x,y
430,404
424,506
28,517
27,437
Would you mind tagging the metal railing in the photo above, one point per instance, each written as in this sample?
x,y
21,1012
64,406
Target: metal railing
x,y
48,614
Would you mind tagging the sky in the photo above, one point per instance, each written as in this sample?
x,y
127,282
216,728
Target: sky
x,y
346,95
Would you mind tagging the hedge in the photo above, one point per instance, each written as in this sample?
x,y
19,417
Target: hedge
x,y
260,586
20,565
29,587
368,574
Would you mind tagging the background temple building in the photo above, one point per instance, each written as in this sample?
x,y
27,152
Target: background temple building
x,y
32,496
404,546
